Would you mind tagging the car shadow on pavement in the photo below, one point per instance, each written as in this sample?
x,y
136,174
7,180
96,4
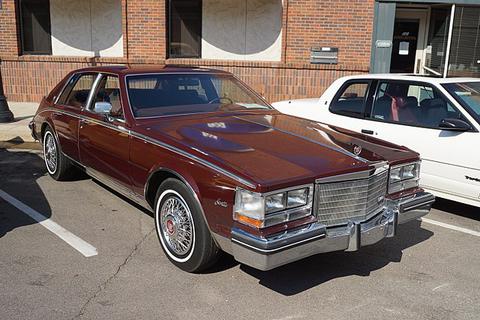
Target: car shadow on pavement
x,y
19,172
457,208
299,276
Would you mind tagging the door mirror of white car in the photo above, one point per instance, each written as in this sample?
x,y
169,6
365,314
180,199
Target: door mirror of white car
x,y
453,124
102,107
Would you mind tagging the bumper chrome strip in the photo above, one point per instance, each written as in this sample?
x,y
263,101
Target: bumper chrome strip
x,y
272,252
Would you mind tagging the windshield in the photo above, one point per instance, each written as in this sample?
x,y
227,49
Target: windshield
x,y
468,95
155,95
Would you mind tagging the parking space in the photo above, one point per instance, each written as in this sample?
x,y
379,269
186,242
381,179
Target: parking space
x,y
429,271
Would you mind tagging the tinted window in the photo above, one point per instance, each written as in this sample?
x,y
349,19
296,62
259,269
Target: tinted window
x,y
109,91
66,91
185,28
413,104
35,26
79,94
351,100
173,94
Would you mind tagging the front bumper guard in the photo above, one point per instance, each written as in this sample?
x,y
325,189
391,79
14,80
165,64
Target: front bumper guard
x,y
293,245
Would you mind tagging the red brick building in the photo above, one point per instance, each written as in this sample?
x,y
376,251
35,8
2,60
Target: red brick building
x,y
273,45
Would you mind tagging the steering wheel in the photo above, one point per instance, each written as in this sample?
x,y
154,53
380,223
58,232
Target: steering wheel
x,y
219,99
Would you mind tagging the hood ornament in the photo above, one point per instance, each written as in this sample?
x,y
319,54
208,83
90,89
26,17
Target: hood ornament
x,y
357,149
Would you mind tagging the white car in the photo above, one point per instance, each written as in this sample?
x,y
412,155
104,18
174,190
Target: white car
x,y
437,117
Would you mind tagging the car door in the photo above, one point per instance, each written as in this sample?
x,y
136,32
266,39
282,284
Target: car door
x,y
347,108
104,141
69,105
410,113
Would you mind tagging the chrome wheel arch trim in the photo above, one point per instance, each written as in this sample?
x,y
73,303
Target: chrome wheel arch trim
x,y
189,186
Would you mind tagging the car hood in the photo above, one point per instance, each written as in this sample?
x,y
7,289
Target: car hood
x,y
274,149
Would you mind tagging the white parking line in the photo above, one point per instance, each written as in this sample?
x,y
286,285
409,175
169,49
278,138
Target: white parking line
x,y
451,227
75,242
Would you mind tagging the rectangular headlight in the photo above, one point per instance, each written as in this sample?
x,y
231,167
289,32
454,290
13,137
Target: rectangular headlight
x,y
404,177
258,210
275,202
296,198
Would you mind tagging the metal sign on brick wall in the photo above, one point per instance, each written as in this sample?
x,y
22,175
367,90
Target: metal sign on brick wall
x,y
324,55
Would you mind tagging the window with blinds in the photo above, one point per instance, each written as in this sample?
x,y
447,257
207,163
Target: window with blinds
x,y
465,47
437,39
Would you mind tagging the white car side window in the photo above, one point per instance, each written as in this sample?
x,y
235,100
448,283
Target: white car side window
x,y
351,100
411,104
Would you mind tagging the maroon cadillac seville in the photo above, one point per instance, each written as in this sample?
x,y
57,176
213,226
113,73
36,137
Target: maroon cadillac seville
x,y
222,170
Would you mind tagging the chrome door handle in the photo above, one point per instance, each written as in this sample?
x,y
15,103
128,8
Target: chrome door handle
x,y
366,131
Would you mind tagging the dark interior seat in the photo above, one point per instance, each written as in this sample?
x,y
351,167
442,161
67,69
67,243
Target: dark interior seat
x,y
383,108
433,111
408,110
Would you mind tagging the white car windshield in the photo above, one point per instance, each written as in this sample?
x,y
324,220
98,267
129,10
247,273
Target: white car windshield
x,y
153,95
468,95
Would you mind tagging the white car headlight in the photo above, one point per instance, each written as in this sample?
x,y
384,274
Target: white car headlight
x,y
258,210
403,177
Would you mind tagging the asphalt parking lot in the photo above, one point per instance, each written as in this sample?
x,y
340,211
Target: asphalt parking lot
x,y
107,264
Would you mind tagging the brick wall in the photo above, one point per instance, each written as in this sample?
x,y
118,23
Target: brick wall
x,y
344,24
146,30
29,78
306,23
279,81
8,30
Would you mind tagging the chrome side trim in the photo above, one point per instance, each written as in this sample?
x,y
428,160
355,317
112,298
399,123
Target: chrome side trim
x,y
109,182
160,144
378,167
340,150
74,161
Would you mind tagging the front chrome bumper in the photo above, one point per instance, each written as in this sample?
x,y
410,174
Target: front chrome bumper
x,y
293,245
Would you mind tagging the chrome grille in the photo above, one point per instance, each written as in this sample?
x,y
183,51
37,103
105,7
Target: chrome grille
x,y
352,200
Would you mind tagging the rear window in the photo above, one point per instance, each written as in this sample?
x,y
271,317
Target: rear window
x,y
174,94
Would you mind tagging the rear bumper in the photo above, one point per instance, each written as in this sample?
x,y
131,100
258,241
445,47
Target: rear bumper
x,y
269,253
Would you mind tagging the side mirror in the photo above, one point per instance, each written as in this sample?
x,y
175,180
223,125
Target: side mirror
x,y
453,124
102,107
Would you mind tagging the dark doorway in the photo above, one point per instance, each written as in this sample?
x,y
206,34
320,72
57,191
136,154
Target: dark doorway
x,y
405,36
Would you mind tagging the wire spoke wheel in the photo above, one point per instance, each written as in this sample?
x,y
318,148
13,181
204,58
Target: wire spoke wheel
x,y
176,225
50,153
